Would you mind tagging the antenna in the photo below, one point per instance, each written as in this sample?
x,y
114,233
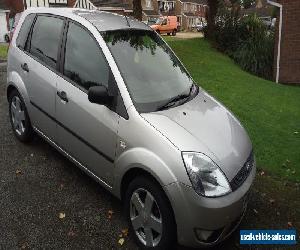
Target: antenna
x,y
127,20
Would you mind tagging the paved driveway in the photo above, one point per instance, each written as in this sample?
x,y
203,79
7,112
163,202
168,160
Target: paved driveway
x,y
48,184
37,184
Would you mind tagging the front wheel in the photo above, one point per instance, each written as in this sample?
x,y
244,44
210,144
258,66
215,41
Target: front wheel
x,y
149,214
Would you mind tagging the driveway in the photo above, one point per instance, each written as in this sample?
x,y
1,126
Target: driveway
x,y
47,202
189,35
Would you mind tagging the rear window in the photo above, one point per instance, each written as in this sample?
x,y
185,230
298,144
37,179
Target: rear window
x,y
24,31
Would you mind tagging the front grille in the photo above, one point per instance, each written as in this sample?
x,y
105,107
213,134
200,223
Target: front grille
x,y
242,175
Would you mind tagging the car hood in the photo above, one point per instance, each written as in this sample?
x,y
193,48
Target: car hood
x,y
204,125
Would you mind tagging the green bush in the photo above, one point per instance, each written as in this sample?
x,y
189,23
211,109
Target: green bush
x,y
255,52
245,39
227,29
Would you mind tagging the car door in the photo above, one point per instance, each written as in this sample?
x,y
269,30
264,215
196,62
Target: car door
x,y
39,64
164,25
87,131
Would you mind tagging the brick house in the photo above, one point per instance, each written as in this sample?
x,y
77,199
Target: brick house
x,y
17,6
4,21
287,49
192,12
188,12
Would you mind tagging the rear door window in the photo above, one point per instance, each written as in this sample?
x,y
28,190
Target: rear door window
x,y
45,39
24,31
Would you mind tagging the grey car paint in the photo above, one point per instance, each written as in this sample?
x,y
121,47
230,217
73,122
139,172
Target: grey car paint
x,y
152,142
204,125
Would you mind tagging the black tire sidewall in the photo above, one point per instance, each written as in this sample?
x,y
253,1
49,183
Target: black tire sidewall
x,y
169,232
28,134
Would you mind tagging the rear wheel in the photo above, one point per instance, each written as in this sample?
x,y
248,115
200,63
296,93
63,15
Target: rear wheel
x,y
168,34
149,214
174,33
19,118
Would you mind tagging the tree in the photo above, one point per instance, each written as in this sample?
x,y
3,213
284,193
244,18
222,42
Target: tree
x,y
248,3
137,9
211,16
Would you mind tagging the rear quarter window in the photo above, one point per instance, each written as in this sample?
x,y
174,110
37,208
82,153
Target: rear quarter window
x,y
24,31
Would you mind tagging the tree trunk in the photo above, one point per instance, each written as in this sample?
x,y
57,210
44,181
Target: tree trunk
x,y
212,12
137,9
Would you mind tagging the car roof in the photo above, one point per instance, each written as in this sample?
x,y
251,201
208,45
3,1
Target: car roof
x,y
102,20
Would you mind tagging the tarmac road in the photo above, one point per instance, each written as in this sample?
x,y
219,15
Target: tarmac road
x,y
37,184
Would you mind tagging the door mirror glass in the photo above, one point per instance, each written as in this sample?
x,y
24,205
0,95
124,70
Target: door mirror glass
x,y
164,22
99,95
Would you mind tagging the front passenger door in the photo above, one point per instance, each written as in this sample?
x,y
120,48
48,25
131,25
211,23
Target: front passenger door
x,y
87,131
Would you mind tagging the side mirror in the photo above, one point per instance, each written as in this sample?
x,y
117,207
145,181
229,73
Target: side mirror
x,y
99,95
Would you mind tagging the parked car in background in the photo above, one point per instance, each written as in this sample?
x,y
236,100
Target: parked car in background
x,y
200,26
151,21
166,24
109,94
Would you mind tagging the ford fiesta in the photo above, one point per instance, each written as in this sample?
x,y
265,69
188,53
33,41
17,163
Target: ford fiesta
x,y
109,94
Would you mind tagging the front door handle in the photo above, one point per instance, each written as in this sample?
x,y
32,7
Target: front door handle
x,y
62,95
24,66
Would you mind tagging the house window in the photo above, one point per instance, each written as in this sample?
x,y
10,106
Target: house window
x,y
166,6
185,6
148,4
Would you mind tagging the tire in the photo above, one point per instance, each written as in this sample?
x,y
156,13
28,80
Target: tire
x,y
19,118
138,191
158,31
174,33
168,34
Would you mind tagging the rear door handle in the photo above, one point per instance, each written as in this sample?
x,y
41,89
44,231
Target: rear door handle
x,y
62,95
24,66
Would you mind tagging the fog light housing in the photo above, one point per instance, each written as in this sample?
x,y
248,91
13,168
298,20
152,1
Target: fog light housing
x,y
208,236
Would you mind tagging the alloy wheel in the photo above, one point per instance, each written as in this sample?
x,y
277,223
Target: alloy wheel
x,y
146,217
17,115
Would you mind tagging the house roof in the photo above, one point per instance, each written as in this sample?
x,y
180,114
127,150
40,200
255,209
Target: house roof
x,y
204,2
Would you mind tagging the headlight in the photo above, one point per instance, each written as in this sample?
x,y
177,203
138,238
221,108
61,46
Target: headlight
x,y
206,177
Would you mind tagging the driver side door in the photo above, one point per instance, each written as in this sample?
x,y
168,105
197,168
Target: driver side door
x,y
86,131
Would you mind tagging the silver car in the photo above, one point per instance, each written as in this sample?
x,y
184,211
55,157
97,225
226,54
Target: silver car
x,y
108,93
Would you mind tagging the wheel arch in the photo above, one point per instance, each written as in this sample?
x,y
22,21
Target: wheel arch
x,y
15,82
135,172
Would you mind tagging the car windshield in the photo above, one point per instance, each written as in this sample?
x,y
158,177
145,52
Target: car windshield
x,y
159,21
152,73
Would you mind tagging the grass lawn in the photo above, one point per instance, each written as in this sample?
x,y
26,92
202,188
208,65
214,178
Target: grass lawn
x,y
3,51
270,112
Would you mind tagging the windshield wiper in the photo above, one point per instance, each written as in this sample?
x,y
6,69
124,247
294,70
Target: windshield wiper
x,y
175,99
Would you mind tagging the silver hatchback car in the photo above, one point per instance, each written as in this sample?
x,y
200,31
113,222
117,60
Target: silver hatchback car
x,y
109,94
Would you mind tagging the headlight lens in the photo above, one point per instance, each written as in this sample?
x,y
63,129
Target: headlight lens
x,y
206,177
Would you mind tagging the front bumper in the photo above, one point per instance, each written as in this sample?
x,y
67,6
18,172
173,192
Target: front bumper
x,y
197,215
